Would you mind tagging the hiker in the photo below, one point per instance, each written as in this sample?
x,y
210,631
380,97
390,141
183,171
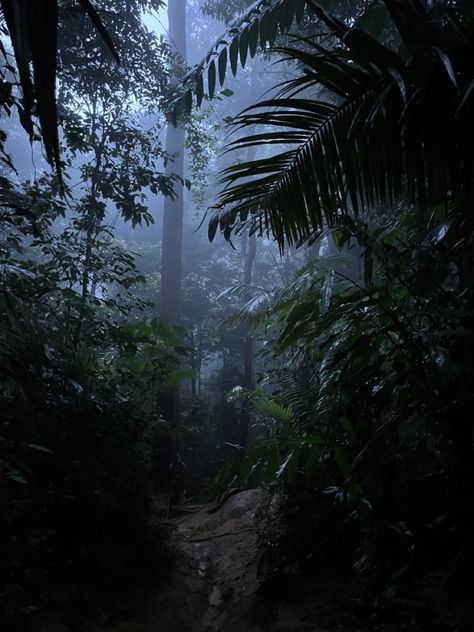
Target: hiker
x,y
175,482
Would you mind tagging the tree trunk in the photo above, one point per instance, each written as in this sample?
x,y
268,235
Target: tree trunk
x,y
247,382
170,304
173,208
170,299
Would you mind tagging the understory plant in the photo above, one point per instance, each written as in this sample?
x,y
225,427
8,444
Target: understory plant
x,y
367,431
79,381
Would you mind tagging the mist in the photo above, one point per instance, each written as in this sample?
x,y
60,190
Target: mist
x,y
236,307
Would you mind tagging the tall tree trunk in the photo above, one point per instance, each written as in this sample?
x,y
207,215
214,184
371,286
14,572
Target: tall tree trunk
x,y
170,300
193,360
247,382
170,303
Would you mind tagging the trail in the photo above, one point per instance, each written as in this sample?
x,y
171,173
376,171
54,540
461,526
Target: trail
x,y
214,581
214,585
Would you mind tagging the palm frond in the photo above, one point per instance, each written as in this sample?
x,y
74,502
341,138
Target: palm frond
x,y
257,27
255,309
33,31
390,129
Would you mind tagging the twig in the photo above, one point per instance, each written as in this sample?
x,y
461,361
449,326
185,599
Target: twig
x,y
218,535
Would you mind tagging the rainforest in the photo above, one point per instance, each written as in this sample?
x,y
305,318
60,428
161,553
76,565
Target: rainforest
x,y
236,315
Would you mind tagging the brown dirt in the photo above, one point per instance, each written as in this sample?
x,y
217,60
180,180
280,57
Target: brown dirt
x,y
214,585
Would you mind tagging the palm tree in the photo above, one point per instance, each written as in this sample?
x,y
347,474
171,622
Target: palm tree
x,y
363,125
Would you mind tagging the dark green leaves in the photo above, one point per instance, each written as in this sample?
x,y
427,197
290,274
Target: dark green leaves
x,y
374,19
243,46
234,55
259,26
211,79
33,30
375,141
199,89
94,16
222,66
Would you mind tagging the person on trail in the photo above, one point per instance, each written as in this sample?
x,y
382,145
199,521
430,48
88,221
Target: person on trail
x,y
175,483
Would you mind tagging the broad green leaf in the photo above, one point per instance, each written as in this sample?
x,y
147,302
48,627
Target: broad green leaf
x,y
222,65
373,20
39,448
253,38
211,79
282,468
234,55
188,101
199,88
17,477
349,430
243,46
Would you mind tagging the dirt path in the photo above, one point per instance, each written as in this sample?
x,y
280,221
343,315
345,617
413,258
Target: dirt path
x,y
214,584
214,580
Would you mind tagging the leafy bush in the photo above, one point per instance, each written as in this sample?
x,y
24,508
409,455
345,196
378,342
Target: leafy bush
x,y
369,440
78,389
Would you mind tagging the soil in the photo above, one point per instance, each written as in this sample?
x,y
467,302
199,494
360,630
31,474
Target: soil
x,y
215,584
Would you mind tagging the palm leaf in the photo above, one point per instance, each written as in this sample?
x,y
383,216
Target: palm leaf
x,y
257,27
389,130
257,303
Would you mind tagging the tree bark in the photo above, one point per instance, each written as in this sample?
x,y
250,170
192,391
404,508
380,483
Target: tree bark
x,y
247,382
174,208
170,298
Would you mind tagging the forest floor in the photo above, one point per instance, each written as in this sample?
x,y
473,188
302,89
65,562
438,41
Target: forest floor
x,y
214,585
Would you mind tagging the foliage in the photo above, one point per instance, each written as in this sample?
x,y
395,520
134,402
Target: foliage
x,y
369,440
362,420
256,27
33,28
201,148
400,116
78,388
81,363
364,429
259,24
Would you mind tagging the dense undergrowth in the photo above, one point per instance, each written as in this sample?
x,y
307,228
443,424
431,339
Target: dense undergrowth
x,y
364,419
79,381
369,442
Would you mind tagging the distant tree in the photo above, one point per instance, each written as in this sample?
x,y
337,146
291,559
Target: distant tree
x,y
174,207
171,253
